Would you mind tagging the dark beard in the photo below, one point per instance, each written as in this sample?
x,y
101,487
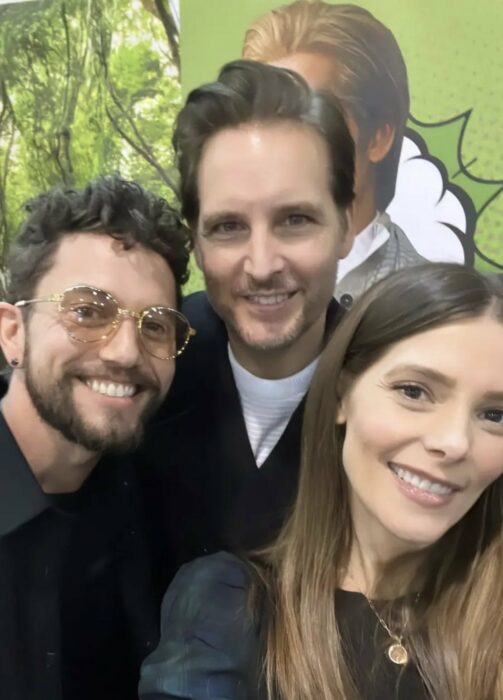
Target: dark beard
x,y
56,407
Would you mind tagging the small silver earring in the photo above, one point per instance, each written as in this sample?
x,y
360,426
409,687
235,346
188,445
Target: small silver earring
x,y
14,362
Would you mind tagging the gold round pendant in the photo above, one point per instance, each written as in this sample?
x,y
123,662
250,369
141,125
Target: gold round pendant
x,y
398,654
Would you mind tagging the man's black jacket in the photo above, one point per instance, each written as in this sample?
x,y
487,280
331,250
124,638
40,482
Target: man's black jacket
x,y
202,488
77,613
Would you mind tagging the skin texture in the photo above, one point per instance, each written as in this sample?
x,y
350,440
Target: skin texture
x,y
269,230
49,407
320,71
448,428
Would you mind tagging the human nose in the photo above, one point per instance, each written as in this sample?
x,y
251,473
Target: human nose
x,y
122,347
263,257
449,437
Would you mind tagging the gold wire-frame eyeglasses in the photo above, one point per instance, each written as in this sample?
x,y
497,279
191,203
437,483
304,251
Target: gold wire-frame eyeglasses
x,y
91,315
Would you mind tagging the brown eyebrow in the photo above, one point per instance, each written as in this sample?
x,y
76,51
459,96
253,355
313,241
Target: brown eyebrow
x,y
212,219
440,378
426,372
494,396
301,207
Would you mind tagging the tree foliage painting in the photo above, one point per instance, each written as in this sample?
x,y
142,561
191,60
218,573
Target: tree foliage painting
x,y
86,87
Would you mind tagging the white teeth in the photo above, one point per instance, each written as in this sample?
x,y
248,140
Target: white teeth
x,y
111,388
423,484
269,299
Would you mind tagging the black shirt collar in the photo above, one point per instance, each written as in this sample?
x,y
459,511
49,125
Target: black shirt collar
x,y
21,498
335,312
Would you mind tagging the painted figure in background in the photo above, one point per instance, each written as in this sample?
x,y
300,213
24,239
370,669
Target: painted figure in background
x,y
345,49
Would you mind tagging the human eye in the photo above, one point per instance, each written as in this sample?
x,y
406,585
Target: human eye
x,y
227,229
86,314
154,328
298,219
296,222
493,416
158,327
411,391
160,324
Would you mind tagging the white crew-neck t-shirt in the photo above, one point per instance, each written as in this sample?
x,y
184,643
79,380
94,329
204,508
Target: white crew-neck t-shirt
x,y
268,404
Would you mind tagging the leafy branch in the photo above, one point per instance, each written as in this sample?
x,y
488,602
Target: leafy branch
x,y
121,115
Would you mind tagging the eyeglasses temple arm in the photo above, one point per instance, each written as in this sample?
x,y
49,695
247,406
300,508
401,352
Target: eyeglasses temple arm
x,y
25,302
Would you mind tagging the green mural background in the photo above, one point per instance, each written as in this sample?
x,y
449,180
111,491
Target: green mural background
x,y
454,58
89,86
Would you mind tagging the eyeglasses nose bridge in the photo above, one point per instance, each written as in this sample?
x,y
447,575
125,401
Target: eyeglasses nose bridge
x,y
133,315
127,313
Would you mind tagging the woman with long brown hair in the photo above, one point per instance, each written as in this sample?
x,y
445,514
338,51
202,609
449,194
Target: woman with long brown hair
x,y
387,579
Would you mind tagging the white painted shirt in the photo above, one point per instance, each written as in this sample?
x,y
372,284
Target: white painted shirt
x,y
366,242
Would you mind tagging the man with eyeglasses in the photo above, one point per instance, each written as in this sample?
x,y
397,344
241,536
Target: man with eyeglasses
x,y
91,331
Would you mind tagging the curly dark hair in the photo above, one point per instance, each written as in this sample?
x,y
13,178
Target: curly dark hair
x,y
110,205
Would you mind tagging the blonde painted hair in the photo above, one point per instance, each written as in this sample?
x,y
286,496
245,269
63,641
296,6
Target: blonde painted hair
x,y
370,78
455,630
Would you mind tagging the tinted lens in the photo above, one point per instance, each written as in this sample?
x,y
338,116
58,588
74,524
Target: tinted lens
x,y
164,332
88,314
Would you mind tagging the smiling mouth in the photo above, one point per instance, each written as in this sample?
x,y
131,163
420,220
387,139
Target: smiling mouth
x,y
270,299
437,488
119,390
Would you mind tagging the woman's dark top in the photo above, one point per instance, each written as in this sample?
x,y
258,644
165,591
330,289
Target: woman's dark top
x,y
210,648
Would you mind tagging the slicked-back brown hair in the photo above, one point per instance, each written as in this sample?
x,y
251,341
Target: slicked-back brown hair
x,y
371,80
251,93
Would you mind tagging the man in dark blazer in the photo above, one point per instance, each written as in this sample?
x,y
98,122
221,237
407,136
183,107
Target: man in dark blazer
x,y
266,171
88,329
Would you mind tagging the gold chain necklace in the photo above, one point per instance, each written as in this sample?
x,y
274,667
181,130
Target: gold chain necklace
x,y
397,653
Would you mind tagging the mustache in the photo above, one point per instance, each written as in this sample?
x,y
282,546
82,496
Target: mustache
x,y
271,286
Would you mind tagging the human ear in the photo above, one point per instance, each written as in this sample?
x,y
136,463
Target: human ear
x,y
340,415
348,233
380,143
12,333
343,388
198,255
